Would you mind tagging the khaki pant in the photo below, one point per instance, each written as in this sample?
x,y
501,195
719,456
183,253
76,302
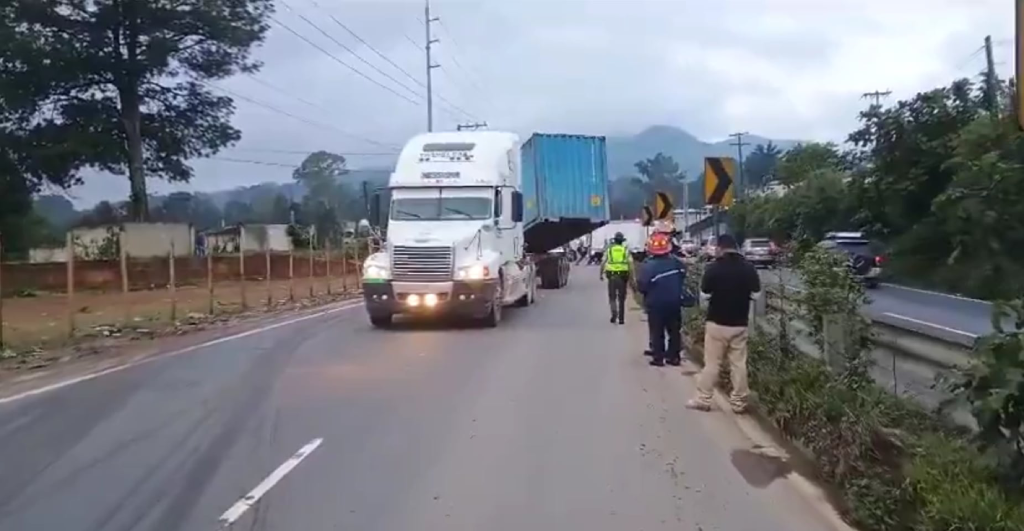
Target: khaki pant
x,y
721,342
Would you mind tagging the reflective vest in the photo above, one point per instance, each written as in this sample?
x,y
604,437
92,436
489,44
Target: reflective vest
x,y
618,259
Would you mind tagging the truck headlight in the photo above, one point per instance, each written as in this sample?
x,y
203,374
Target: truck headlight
x,y
376,272
473,272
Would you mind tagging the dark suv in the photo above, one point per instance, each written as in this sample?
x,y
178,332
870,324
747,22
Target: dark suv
x,y
863,261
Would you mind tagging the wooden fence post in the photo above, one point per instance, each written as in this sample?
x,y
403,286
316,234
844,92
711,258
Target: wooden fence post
x,y
71,283
270,289
344,263
171,285
122,251
209,277
241,262
327,253
311,281
291,273
359,269
1,292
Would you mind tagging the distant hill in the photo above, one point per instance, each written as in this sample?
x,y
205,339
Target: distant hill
x,y
688,150
623,151
375,178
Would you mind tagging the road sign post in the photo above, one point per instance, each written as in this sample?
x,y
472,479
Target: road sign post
x,y
646,216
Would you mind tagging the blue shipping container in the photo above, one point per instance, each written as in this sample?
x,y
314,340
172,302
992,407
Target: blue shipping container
x,y
565,188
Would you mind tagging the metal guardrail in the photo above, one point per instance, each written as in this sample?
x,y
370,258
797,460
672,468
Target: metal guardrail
x,y
907,358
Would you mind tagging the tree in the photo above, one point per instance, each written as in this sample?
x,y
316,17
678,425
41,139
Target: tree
x,y
806,161
125,82
759,165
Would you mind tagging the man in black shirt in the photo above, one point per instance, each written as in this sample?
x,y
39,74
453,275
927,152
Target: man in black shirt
x,y
729,284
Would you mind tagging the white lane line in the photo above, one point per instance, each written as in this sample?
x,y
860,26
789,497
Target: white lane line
x,y
939,293
238,509
933,325
154,357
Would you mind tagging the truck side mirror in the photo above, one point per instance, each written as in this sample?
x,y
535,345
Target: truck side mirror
x,y
517,207
497,204
375,209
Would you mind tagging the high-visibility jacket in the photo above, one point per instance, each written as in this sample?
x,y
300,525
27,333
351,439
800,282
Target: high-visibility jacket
x,y
616,259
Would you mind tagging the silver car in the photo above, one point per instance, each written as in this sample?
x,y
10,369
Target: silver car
x,y
863,262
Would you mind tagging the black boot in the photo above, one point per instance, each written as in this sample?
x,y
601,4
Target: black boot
x,y
622,320
657,362
612,320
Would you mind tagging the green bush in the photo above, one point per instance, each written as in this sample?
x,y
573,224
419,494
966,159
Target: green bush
x,y
894,466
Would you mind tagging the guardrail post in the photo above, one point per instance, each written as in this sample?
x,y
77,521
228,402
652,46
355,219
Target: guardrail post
x,y
836,334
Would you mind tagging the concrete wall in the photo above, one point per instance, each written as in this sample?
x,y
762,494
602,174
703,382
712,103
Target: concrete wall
x,y
47,254
141,240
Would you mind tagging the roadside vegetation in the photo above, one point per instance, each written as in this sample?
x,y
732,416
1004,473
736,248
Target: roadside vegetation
x,y
934,178
893,465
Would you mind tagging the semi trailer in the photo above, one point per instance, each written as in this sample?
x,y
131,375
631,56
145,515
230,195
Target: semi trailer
x,y
478,221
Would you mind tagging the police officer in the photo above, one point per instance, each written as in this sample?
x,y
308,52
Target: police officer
x,y
616,267
662,282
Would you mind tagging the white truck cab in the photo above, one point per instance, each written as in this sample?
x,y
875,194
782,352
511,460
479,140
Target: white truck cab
x,y
455,231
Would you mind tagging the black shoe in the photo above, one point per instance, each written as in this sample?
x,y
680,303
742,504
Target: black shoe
x,y
612,320
622,321
656,363
649,353
675,362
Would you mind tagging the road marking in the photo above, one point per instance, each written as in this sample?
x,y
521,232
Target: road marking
x,y
933,325
158,356
238,509
939,293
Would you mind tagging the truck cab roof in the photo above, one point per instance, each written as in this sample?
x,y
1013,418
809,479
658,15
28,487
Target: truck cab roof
x,y
465,158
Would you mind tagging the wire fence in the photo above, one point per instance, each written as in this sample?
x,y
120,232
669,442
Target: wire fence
x,y
48,303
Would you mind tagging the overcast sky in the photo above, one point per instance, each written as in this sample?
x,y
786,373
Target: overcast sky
x,y
791,69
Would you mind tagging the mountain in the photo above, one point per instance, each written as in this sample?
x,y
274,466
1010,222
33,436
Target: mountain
x,y
688,150
374,177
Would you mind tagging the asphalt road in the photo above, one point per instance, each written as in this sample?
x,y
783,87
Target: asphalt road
x,y
947,315
552,421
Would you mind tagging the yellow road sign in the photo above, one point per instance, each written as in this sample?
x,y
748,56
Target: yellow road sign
x,y
662,206
719,175
646,216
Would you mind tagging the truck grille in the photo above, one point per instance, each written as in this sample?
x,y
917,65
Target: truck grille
x,y
421,264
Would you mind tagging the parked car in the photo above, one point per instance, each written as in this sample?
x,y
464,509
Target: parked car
x,y
760,252
862,259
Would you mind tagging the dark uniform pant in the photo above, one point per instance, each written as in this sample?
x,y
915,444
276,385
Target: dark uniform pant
x,y
617,283
665,324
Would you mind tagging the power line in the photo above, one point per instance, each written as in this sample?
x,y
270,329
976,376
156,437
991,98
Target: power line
x,y
877,95
454,57
257,162
387,59
346,48
343,63
368,45
309,151
296,117
285,92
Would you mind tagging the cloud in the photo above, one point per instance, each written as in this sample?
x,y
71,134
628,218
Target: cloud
x,y
778,68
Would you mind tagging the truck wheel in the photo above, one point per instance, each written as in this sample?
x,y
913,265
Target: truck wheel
x,y
381,321
528,297
494,315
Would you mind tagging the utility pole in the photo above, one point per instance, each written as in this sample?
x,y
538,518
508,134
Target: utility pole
x,y
877,95
991,88
739,143
430,64
470,127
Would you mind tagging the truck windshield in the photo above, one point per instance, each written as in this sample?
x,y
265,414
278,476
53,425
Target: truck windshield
x,y
440,208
